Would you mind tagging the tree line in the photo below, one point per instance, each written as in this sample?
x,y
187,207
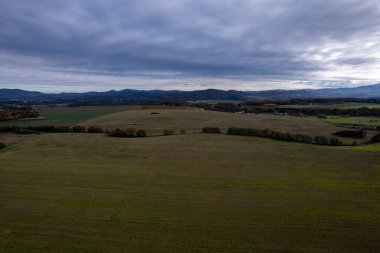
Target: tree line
x,y
50,129
264,133
262,109
15,114
118,132
127,133
358,134
267,133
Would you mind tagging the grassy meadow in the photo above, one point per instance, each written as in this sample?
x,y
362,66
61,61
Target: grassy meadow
x,y
187,193
354,105
66,116
195,119
367,121
85,193
334,106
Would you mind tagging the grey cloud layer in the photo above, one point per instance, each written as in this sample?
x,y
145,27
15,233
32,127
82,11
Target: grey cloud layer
x,y
238,41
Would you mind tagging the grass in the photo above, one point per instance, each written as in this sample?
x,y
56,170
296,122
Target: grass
x,y
368,121
334,106
196,119
186,193
370,147
354,106
193,120
67,116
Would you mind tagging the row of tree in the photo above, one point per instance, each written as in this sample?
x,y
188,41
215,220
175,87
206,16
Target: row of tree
x,y
211,130
127,133
132,132
51,129
359,134
248,108
375,138
118,132
16,114
267,133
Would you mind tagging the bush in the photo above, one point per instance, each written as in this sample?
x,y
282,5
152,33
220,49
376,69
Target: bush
x,y
335,142
2,145
49,129
141,133
211,130
26,131
266,133
127,133
62,129
361,133
78,129
94,129
321,140
118,133
304,138
375,138
183,131
8,129
130,132
169,132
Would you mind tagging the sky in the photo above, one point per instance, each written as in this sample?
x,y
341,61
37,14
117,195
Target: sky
x,y
84,45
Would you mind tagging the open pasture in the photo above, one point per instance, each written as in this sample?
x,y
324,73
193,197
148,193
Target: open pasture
x,y
334,106
366,121
195,119
187,193
66,116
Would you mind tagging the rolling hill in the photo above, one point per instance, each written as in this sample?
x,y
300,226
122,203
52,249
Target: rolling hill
x,y
369,91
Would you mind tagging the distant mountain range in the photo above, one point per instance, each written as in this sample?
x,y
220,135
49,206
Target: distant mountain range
x,y
369,91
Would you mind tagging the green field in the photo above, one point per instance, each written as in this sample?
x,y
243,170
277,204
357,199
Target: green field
x,y
195,119
367,121
66,116
353,106
333,106
187,193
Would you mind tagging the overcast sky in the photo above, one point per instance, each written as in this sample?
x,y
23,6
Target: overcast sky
x,y
82,45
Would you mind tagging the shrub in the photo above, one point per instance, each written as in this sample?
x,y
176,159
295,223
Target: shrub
x,y
94,129
266,133
2,145
335,142
375,138
62,129
8,129
118,133
233,131
361,133
26,131
141,133
304,138
169,132
78,129
321,140
211,130
49,129
130,132
183,131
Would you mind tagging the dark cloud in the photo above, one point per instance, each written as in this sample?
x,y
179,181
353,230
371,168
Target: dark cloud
x,y
249,44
